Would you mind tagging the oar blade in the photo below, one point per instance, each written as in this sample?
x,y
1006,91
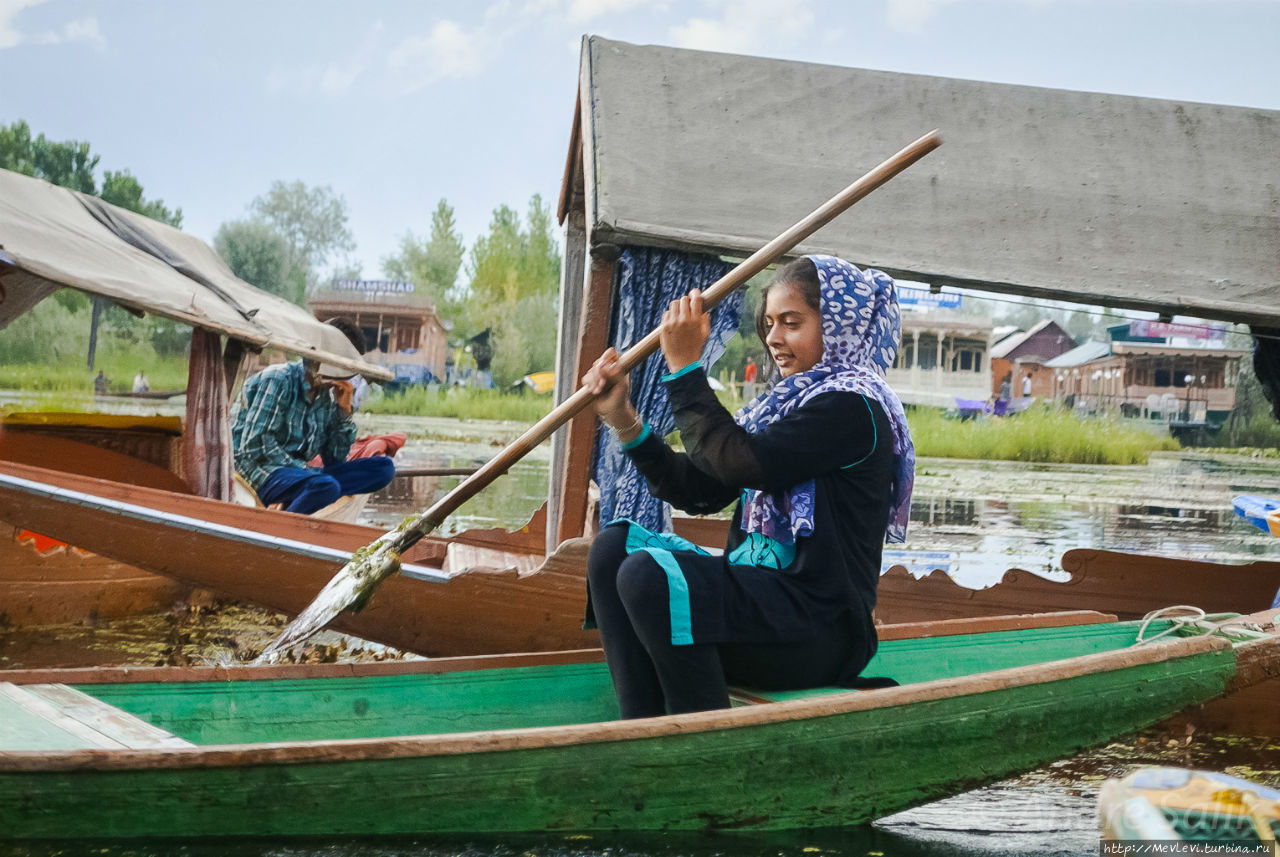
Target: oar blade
x,y
350,588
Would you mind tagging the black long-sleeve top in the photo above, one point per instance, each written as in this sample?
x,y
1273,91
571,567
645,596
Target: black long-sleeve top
x,y
841,440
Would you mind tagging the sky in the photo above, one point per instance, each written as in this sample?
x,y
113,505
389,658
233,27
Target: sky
x,y
395,104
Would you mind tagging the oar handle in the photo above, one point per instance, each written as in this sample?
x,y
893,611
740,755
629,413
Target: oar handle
x,y
632,357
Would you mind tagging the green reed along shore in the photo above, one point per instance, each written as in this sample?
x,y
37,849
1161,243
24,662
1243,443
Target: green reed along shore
x,y
463,403
1041,434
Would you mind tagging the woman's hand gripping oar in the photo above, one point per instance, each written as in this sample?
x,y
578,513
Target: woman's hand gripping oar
x,y
354,584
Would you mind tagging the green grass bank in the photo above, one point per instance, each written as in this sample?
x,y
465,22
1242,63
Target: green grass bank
x,y
1041,434
463,403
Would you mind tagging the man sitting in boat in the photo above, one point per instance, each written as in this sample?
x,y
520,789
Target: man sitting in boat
x,y
288,414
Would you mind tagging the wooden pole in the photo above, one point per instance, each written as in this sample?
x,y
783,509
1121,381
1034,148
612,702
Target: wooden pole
x,y
354,584
434,471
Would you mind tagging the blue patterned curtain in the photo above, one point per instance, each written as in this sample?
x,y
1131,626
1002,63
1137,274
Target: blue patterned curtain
x,y
647,280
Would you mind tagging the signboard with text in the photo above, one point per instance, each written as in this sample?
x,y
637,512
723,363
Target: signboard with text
x,y
1168,329
923,297
374,286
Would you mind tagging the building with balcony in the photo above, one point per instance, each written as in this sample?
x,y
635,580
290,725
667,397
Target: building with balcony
x,y
401,330
942,360
1183,384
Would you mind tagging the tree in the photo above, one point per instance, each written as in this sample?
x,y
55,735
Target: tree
x,y
122,189
1252,421
258,254
313,223
431,264
71,164
514,280
510,262
67,164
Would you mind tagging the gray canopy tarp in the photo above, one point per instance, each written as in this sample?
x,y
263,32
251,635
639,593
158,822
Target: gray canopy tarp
x,y
51,237
1099,199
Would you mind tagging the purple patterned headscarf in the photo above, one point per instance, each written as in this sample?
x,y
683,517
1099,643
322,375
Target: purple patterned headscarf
x,y
861,329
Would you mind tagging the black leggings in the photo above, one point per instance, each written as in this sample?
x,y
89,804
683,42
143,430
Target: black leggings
x,y
651,676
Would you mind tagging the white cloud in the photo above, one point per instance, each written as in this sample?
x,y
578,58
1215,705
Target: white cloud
x,y
910,16
581,11
746,26
79,30
336,77
538,8
9,9
447,50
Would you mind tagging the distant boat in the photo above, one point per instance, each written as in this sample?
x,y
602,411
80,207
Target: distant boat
x,y
153,394
1262,512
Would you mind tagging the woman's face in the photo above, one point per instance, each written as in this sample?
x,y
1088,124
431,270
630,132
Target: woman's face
x,y
793,330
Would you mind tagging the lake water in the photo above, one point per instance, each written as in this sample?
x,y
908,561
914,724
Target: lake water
x,y
980,517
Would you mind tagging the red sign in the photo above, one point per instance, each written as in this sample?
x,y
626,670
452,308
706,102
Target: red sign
x,y
1167,329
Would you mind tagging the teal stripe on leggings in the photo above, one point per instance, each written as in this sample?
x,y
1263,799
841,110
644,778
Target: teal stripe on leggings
x,y
660,547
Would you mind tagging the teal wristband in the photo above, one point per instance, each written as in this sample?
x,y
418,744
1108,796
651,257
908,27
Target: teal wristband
x,y
671,376
638,439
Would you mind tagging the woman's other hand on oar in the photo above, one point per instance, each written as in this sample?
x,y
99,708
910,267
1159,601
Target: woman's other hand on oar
x,y
612,388
684,331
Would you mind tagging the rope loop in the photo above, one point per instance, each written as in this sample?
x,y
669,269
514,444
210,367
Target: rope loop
x,y
1188,621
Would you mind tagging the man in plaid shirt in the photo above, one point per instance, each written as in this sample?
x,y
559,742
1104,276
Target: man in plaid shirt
x,y
289,413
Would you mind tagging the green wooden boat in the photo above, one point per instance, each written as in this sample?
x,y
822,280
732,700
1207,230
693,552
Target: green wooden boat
x,y
524,743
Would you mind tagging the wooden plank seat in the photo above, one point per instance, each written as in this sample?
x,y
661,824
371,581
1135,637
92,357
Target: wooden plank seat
x,y
56,716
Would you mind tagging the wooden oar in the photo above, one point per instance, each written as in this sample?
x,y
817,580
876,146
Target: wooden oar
x,y
354,584
434,471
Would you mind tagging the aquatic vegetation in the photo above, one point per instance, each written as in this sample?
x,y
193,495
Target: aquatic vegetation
x,y
462,403
1042,434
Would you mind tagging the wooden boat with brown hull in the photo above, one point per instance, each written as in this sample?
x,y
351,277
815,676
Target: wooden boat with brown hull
x,y
1125,584
475,593
1128,585
157,544
44,581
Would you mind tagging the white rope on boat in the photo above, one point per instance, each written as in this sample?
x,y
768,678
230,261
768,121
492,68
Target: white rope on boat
x,y
1188,621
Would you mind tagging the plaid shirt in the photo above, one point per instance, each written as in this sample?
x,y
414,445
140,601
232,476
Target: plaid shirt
x,y
276,425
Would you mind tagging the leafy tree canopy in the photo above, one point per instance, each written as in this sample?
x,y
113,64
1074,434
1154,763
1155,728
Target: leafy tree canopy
x,y
514,280
311,220
259,255
432,263
122,189
512,262
71,164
